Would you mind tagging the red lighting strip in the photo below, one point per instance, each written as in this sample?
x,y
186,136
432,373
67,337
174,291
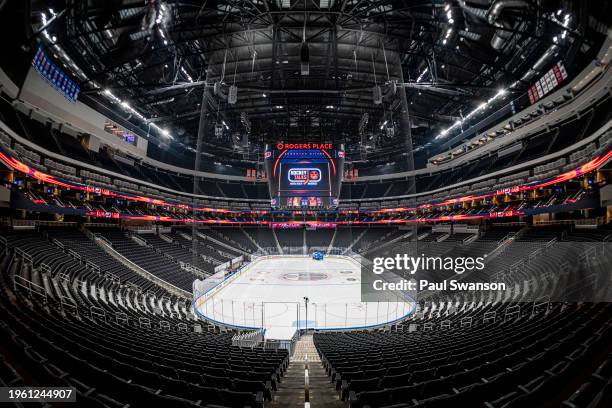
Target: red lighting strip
x,y
50,179
293,224
331,160
277,160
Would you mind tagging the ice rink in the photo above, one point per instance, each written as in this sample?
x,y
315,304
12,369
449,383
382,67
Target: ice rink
x,y
270,293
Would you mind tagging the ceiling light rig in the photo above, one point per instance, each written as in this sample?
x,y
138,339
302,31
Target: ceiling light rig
x,y
77,71
483,106
449,21
449,13
565,23
163,16
422,75
128,108
67,61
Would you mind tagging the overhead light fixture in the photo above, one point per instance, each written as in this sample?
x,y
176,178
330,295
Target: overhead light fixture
x,y
500,93
422,75
184,71
264,95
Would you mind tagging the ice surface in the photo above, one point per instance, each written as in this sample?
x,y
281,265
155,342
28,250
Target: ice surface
x,y
270,293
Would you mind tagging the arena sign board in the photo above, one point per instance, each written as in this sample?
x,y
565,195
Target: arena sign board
x,y
304,175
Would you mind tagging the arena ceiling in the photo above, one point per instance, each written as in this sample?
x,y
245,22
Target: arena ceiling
x,y
157,56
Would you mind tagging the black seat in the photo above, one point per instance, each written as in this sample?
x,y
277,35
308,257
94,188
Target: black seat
x,y
372,399
171,386
253,387
394,381
406,393
357,386
436,387
206,395
217,382
190,376
583,397
236,399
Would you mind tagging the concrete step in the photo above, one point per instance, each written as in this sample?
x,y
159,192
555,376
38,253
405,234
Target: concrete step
x,y
291,391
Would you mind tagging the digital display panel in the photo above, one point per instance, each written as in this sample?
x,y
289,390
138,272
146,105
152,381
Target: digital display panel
x,y
304,178
57,78
120,132
304,175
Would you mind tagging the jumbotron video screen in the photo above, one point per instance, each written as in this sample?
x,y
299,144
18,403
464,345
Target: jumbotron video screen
x,y
304,175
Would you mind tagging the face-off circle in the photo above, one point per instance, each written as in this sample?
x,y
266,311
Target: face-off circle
x,y
304,276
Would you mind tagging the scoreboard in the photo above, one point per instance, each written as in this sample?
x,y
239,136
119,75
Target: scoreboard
x,y
57,78
304,175
556,75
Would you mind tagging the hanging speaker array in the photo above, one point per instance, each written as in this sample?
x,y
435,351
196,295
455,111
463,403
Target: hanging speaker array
x,y
377,94
232,96
305,59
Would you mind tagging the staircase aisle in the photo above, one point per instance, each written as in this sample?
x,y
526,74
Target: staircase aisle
x,y
305,383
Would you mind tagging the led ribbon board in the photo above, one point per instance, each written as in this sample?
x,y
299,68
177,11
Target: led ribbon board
x,y
15,164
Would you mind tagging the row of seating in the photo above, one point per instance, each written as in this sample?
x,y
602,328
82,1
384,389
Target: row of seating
x,y
349,190
115,362
506,364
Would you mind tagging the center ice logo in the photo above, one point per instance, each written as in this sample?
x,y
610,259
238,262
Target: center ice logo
x,y
304,176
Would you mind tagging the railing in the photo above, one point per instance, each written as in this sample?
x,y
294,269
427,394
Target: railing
x,y
192,269
121,318
27,258
97,312
31,287
249,339
108,248
230,264
67,307
289,345
299,251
